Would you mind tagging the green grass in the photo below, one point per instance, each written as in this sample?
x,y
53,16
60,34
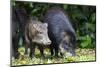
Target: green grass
x,y
81,55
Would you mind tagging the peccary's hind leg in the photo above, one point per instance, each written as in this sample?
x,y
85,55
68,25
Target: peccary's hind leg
x,y
15,47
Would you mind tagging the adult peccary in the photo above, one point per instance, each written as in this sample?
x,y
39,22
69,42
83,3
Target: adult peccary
x,y
36,35
60,31
19,18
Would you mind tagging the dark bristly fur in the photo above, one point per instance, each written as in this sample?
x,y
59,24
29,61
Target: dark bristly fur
x,y
60,31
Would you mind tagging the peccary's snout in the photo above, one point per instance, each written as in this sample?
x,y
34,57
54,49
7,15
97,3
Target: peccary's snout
x,y
47,42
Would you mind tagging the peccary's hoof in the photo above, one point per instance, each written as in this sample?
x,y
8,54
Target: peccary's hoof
x,y
17,55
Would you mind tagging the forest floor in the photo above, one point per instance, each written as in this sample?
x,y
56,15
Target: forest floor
x,y
81,56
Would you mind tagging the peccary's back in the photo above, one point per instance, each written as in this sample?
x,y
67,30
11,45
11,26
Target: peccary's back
x,y
56,17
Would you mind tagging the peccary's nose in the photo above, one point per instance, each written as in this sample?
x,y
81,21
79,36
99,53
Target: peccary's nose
x,y
49,42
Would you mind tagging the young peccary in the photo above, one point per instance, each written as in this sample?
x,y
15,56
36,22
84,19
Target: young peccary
x,y
60,32
36,35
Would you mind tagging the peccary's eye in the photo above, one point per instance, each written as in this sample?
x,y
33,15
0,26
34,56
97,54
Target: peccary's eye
x,y
40,32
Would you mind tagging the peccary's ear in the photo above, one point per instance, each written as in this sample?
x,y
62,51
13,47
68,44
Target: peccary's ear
x,y
63,34
45,24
